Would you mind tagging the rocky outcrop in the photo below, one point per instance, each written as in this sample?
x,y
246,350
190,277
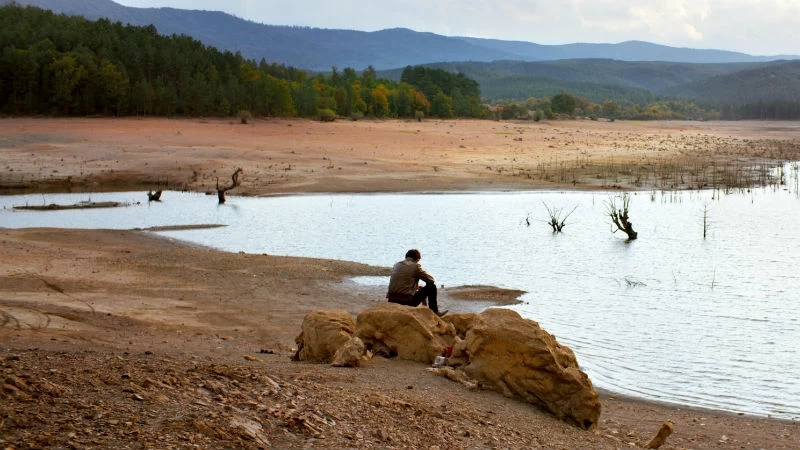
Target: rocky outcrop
x,y
323,333
517,357
497,349
416,334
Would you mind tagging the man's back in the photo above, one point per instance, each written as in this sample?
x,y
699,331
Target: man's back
x,y
404,283
405,276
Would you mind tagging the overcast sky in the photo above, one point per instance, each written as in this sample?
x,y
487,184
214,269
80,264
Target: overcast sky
x,y
758,27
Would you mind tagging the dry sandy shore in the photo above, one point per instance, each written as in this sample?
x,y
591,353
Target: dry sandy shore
x,y
121,339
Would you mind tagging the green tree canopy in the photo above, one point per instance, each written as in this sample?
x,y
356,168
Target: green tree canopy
x,y
56,64
563,103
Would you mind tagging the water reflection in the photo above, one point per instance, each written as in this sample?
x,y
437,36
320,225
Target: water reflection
x,y
671,316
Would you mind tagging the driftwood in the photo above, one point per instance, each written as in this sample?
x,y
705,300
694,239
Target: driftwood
x,y
234,183
619,217
79,205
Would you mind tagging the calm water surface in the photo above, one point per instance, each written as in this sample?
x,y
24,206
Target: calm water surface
x,y
671,316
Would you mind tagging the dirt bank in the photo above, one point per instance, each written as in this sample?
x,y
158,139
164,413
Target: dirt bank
x,y
284,156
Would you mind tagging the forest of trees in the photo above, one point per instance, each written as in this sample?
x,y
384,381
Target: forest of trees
x,y
566,105
452,95
670,109
58,65
54,64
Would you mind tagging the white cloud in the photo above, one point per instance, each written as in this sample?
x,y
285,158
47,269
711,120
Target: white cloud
x,y
751,26
692,33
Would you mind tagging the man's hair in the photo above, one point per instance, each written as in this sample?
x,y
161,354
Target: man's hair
x,y
413,254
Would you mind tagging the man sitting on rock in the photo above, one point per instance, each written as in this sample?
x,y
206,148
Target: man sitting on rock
x,y
404,285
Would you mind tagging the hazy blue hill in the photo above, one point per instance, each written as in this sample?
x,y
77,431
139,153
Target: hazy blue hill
x,y
654,76
624,51
321,49
522,87
595,79
777,81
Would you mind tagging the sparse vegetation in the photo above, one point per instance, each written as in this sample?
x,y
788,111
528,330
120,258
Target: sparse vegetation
x,y
326,115
557,218
244,116
705,219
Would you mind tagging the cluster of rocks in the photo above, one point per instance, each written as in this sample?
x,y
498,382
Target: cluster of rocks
x,y
495,349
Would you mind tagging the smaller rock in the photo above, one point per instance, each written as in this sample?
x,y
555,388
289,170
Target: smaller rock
x,y
350,354
661,437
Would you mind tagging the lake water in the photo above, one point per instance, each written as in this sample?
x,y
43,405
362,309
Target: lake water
x,y
671,316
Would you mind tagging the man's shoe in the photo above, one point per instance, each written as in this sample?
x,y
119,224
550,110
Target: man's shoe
x,y
441,314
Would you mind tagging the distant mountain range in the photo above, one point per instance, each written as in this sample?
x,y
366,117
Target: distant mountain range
x,y
320,49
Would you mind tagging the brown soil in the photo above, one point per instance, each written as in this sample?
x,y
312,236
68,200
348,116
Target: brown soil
x,y
284,156
122,339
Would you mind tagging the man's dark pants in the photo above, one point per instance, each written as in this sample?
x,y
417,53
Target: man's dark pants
x,y
428,292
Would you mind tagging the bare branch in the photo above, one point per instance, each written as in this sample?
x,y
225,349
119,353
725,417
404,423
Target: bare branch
x,y
619,217
557,222
234,183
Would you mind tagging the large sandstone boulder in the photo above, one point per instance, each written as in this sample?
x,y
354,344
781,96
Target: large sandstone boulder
x,y
499,349
410,333
461,321
517,357
323,333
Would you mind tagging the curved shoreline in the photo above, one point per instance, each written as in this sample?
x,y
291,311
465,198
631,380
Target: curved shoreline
x,y
476,298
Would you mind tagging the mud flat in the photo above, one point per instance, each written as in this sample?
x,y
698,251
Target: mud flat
x,y
295,156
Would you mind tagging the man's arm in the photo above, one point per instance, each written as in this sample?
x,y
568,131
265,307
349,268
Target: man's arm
x,y
423,275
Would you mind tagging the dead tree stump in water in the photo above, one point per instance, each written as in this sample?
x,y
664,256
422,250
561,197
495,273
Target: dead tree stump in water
x,y
556,221
234,183
619,217
154,196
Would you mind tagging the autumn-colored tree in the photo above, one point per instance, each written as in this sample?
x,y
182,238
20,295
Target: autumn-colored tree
x,y
421,103
379,105
358,103
611,109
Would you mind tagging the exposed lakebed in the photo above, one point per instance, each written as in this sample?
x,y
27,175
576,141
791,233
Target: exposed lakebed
x,y
671,316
